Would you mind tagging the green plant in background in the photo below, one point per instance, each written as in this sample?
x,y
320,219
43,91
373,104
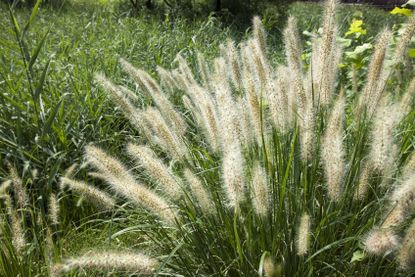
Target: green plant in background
x,y
262,169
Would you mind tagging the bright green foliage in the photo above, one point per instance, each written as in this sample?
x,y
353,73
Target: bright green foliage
x,y
401,11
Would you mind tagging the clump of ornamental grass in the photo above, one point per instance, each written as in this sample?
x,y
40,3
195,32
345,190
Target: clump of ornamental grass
x,y
259,167
27,236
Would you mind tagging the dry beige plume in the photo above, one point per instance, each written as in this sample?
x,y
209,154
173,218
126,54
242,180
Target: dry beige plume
x,y
406,254
97,197
124,183
18,237
19,190
383,150
156,169
111,260
260,191
233,175
375,82
381,241
54,209
164,135
201,195
303,235
332,151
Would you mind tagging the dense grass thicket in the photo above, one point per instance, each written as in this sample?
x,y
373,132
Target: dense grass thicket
x,y
52,107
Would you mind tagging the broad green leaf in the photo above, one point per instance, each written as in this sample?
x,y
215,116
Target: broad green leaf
x,y
358,256
358,50
344,42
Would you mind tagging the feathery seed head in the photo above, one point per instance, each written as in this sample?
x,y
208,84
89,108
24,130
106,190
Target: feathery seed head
x,y
201,195
375,82
363,183
409,168
167,80
18,238
4,187
380,241
260,191
383,151
19,190
269,269
111,260
404,40
103,162
155,169
395,217
123,182
327,54
406,255
303,235
97,197
408,98
332,150
165,137
233,175
54,209
260,34
292,46
204,70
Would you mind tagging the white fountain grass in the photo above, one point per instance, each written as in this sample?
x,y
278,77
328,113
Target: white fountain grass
x,y
260,142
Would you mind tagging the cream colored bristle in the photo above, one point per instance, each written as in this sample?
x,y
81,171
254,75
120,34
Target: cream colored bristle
x,y
260,191
123,182
375,82
156,169
111,260
97,197
18,237
406,254
303,235
380,241
54,209
404,40
201,195
233,175
332,151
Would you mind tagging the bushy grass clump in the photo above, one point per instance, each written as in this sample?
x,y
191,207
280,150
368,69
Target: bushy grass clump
x,y
265,170
233,166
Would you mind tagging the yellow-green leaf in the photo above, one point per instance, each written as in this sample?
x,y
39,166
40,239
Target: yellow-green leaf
x,y
356,28
411,52
402,11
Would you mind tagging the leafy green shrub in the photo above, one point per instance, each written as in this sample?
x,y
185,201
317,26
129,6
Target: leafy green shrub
x,y
262,169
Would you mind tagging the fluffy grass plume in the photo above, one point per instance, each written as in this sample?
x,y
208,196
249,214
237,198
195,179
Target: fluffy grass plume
x,y
303,235
332,151
97,197
110,260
